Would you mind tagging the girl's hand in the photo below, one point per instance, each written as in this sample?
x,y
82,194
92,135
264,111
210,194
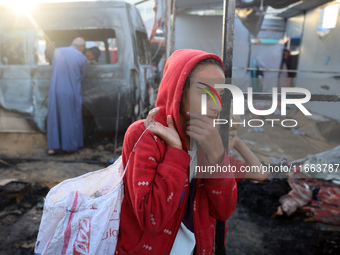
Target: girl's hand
x,y
168,134
201,129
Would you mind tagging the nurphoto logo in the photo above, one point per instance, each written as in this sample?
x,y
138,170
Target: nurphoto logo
x,y
239,102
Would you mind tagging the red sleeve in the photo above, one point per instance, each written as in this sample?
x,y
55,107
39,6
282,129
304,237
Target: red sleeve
x,y
153,177
222,192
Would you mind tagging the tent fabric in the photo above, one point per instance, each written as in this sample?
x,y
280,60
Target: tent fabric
x,y
319,54
299,196
246,10
273,3
294,26
198,4
302,7
195,32
267,61
320,198
250,19
214,4
272,29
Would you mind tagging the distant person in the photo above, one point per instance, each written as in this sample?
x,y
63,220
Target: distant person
x,y
64,117
285,77
92,55
287,61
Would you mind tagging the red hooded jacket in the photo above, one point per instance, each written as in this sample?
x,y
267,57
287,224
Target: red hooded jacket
x,y
157,177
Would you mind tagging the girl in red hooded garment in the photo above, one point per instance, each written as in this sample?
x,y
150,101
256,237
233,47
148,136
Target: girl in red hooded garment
x,y
166,208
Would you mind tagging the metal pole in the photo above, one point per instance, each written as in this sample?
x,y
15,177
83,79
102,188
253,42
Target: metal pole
x,y
173,25
168,28
227,57
117,116
228,36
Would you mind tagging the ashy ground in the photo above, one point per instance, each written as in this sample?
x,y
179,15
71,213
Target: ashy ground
x,y
253,228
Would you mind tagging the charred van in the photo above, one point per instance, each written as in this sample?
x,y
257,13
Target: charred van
x,y
119,86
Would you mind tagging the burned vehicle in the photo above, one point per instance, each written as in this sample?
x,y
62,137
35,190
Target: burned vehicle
x,y
117,89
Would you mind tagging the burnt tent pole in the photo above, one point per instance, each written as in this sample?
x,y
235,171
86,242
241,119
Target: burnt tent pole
x,y
117,116
228,36
227,57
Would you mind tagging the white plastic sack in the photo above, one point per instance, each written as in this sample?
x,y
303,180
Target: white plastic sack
x,y
82,215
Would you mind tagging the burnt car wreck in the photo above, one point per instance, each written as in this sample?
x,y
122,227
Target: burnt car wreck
x,y
118,87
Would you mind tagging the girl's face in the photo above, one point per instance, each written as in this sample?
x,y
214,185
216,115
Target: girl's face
x,y
209,74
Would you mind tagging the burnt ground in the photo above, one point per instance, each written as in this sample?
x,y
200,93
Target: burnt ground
x,y
253,229
19,224
25,159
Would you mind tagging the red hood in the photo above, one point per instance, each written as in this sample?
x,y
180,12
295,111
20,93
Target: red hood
x,y
176,71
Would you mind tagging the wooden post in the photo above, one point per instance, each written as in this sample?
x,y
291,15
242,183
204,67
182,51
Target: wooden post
x,y
168,29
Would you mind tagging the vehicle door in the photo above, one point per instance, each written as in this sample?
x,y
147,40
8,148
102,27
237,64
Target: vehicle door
x,y
15,71
146,73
